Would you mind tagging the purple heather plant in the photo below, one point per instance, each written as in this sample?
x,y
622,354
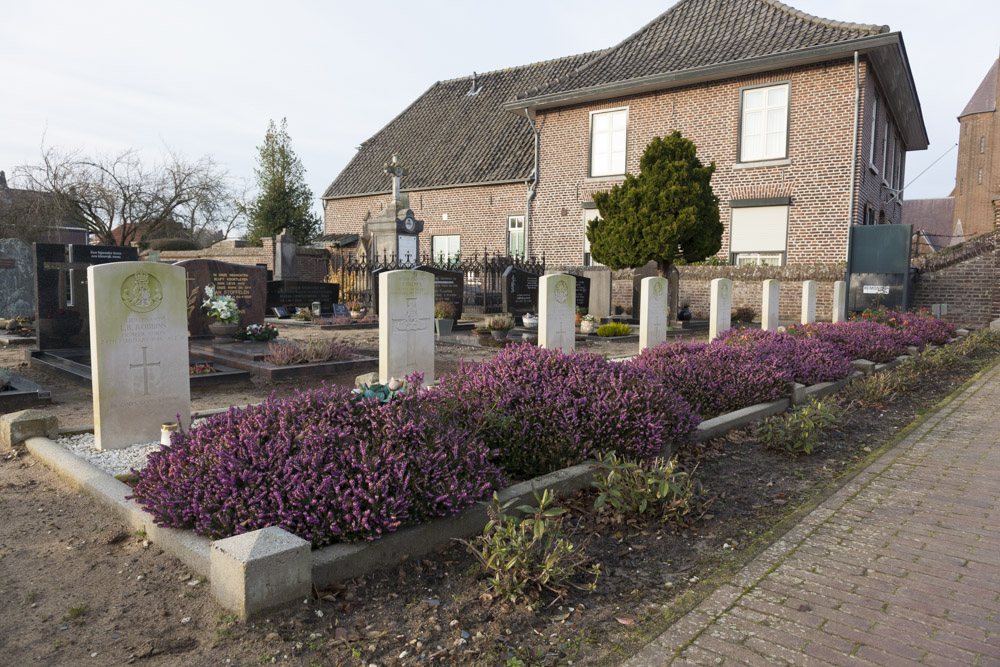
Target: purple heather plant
x,y
808,360
860,339
541,410
325,465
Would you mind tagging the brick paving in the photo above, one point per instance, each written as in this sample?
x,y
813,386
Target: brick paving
x,y
901,566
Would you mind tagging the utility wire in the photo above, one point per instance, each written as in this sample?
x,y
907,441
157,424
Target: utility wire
x,y
931,165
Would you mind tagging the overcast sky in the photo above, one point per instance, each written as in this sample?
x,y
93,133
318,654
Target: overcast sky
x,y
205,77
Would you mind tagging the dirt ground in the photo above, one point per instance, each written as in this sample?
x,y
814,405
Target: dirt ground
x,y
77,588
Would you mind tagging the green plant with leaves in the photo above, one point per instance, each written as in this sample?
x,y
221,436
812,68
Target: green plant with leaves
x,y
655,488
666,213
526,553
612,329
797,430
284,200
876,390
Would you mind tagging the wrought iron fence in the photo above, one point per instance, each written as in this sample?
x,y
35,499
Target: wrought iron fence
x,y
483,273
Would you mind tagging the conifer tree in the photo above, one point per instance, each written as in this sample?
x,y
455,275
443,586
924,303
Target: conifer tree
x,y
283,201
666,213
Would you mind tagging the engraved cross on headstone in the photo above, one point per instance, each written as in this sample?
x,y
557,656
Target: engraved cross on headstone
x,y
397,171
145,366
411,324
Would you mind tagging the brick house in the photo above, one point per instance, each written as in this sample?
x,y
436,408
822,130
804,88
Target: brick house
x,y
977,177
807,120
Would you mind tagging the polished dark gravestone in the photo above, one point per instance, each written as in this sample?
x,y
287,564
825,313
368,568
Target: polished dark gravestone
x,y
247,284
449,286
61,312
520,291
583,292
17,278
294,294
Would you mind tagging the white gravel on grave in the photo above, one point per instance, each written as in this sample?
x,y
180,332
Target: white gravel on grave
x,y
112,461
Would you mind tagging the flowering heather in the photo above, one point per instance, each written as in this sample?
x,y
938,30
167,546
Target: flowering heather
x,y
859,339
716,378
924,327
807,360
324,465
541,410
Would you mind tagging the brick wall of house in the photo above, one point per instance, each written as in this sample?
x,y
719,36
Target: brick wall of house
x,y
478,214
966,277
817,177
873,188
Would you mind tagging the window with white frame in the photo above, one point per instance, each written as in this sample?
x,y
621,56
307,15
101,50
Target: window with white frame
x,y
888,159
445,247
982,144
589,215
764,123
759,233
897,167
874,136
979,180
515,235
608,131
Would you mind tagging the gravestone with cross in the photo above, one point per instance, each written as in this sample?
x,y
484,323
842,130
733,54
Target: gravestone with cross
x,y
406,325
653,312
720,307
138,351
557,312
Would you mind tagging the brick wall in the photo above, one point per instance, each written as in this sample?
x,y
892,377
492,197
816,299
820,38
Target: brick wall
x,y
872,179
478,214
313,263
966,277
973,199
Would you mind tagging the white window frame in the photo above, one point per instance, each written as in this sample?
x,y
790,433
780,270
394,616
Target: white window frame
x,y
897,167
449,256
873,142
588,215
887,170
515,229
982,144
764,155
759,259
611,168
979,179
751,243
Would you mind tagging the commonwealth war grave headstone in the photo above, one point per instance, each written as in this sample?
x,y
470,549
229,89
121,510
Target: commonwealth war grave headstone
x,y
556,313
721,307
769,312
406,325
808,302
839,300
653,312
138,351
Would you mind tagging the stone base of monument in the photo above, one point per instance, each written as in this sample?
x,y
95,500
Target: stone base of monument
x,y
251,357
74,365
21,394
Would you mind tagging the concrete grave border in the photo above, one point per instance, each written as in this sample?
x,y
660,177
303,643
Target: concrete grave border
x,y
243,582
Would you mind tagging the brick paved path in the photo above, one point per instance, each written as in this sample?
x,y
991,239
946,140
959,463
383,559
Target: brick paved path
x,y
901,566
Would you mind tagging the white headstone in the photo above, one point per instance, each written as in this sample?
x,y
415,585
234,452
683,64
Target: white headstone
x,y
653,303
769,307
138,350
721,305
556,312
405,325
808,302
839,301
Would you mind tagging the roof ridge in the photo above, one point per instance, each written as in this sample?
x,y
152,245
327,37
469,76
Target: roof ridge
x,y
525,66
531,92
830,23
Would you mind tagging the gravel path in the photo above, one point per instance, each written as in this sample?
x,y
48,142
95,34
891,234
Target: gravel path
x,y
113,461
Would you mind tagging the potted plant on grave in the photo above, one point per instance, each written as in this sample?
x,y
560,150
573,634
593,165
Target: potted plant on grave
x,y
529,320
588,324
356,309
500,325
580,312
257,332
223,309
444,317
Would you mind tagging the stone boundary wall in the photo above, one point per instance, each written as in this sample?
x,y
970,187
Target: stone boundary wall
x,y
965,277
313,263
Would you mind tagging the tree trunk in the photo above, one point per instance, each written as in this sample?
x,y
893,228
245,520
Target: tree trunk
x,y
666,270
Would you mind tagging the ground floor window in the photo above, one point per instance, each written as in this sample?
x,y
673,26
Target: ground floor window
x,y
759,235
515,235
588,215
446,247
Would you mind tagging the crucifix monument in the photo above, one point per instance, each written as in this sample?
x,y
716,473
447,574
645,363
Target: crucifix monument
x,y
395,231
406,325
138,351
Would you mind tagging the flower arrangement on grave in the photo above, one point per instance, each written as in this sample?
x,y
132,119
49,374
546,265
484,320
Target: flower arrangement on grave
x,y
444,310
501,322
588,323
221,307
303,315
203,368
258,332
356,308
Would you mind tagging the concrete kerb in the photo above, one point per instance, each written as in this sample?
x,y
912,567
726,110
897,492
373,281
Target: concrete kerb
x,y
341,561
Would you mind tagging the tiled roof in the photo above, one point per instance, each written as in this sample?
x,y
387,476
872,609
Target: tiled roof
x,y
698,33
985,97
935,218
448,137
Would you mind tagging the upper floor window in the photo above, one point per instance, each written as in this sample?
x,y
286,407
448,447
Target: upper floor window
x,y
607,142
979,181
515,235
874,135
982,144
446,248
764,123
885,146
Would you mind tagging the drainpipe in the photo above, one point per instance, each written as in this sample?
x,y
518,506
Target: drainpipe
x,y
532,185
851,210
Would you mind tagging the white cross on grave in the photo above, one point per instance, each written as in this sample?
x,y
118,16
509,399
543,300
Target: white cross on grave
x,y
411,324
145,366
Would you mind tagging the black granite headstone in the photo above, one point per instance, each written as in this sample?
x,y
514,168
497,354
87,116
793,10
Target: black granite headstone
x,y
520,291
375,275
280,312
301,294
449,286
340,310
583,292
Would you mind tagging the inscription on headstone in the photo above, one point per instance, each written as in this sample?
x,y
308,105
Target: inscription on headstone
x,y
302,294
449,286
406,325
583,292
520,291
244,283
556,313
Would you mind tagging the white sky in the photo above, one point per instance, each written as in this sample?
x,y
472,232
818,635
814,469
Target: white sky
x,y
204,77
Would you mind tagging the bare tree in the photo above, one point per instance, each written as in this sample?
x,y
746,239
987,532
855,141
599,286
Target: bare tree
x,y
215,212
117,197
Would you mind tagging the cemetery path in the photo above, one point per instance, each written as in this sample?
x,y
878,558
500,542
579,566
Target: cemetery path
x,y
900,566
